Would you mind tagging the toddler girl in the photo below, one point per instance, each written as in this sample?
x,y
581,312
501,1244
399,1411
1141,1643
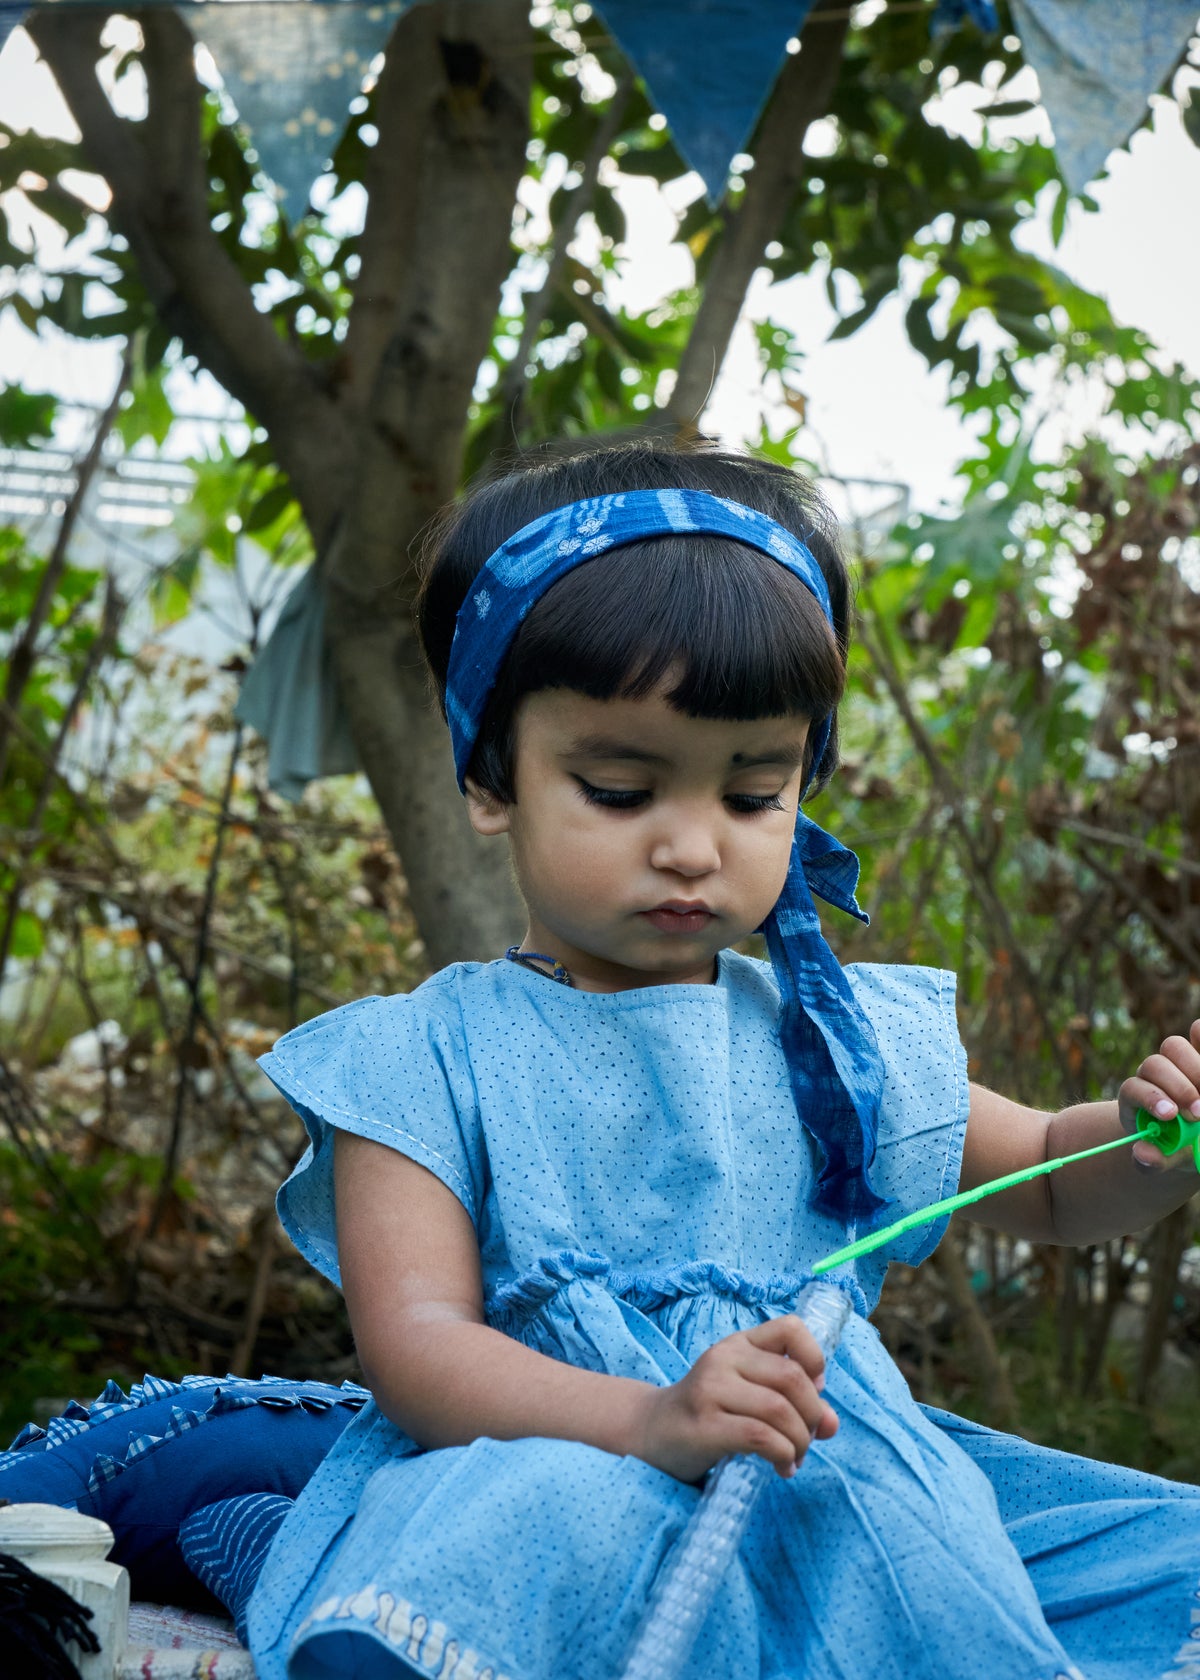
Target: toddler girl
x,y
572,1194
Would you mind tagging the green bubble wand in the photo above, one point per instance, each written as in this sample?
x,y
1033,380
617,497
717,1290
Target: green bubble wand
x,y
1165,1135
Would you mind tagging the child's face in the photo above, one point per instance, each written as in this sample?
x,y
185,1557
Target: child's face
x,y
645,840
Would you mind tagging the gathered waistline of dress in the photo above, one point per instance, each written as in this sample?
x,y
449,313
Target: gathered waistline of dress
x,y
514,1304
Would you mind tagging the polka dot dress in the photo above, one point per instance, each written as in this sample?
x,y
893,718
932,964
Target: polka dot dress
x,y
639,1182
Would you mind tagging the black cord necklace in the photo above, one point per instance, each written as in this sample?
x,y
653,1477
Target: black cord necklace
x,y
528,959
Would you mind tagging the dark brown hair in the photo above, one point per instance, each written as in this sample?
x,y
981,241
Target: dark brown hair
x,y
746,636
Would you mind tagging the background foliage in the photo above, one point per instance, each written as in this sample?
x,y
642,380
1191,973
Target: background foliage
x,y
1021,730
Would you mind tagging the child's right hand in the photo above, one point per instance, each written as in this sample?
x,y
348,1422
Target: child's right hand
x,y
753,1392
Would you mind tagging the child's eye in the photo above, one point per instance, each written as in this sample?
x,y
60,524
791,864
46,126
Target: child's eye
x,y
615,799
749,804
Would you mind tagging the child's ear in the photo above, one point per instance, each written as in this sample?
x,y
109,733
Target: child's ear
x,y
488,814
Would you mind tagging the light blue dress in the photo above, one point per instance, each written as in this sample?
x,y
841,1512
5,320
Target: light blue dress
x,y
640,1185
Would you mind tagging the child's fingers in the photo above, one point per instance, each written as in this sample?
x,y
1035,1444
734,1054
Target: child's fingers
x,y
1168,1083
790,1336
764,1422
793,1386
1178,1060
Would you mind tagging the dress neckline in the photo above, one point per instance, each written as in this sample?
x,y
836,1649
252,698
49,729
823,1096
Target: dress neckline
x,y
544,985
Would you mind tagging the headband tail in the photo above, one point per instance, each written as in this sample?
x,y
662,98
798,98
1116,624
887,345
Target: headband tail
x,y
832,1052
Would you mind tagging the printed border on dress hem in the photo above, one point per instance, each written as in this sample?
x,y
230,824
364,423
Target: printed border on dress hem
x,y
1186,1665
419,1639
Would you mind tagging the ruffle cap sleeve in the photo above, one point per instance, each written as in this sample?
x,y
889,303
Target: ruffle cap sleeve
x,y
387,1068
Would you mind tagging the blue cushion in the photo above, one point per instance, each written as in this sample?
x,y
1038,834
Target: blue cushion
x,y
143,1462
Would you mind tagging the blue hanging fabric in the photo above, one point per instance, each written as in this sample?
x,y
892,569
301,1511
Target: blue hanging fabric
x,y
948,14
290,696
708,66
1098,65
292,70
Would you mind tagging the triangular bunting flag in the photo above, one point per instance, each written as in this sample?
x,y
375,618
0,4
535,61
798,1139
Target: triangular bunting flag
x,y
10,17
708,66
292,71
1098,66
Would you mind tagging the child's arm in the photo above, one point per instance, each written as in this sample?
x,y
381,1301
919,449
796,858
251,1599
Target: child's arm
x,y
1089,1201
411,1276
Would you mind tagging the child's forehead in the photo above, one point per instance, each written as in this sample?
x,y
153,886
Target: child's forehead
x,y
565,721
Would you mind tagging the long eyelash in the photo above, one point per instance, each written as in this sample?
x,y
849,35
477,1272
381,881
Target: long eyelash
x,y
629,799
747,804
613,799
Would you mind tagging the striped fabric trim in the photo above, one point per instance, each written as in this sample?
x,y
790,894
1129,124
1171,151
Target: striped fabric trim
x,y
228,1394
226,1544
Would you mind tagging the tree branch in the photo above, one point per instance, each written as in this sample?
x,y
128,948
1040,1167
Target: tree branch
x,y
1171,1238
159,203
1171,935
994,1380
407,90
1127,843
21,658
537,304
977,866
801,95
195,980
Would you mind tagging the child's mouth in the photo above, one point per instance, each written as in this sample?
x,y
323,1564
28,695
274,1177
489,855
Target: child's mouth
x,y
684,919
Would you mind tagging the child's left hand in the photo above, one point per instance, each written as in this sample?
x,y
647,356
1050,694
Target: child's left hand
x,y
1166,1084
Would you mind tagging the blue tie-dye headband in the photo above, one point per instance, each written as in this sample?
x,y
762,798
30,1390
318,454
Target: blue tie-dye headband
x,y
836,1072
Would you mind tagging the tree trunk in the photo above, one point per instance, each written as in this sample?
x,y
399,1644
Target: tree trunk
x,y
1168,1244
461,889
463,180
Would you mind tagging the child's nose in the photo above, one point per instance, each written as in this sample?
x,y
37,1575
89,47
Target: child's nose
x,y
687,846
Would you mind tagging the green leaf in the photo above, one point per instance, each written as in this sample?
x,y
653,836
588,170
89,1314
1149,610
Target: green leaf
x,y
873,295
53,200
268,508
1017,295
172,590
1191,120
146,411
25,416
28,938
610,217
1058,216
25,312
659,160
1026,332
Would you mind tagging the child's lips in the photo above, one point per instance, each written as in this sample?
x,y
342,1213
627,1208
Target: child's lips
x,y
679,918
